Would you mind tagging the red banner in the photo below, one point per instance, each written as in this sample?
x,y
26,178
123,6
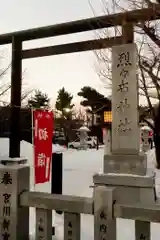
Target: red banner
x,y
43,132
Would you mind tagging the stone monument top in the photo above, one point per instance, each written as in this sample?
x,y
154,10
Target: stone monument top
x,y
125,154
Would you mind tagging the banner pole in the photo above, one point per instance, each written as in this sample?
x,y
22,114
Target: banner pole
x,y
32,114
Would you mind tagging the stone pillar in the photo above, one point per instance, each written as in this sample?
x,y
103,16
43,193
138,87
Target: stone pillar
x,y
14,179
104,225
72,230
43,224
148,197
125,157
125,130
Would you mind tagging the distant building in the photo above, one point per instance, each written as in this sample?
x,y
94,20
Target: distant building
x,y
103,116
102,119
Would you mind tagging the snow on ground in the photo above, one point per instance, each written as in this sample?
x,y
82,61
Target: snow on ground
x,y
78,169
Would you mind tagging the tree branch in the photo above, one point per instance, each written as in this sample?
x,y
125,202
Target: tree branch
x,y
154,78
145,91
150,33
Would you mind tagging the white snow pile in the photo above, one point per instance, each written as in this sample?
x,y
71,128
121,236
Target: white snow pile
x,y
57,148
78,169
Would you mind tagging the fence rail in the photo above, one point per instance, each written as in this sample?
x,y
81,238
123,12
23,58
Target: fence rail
x,y
64,203
141,212
78,205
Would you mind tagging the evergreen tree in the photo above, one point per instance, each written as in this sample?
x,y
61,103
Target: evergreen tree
x,y
94,100
64,103
39,100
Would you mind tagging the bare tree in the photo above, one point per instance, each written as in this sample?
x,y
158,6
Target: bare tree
x,y
147,37
5,87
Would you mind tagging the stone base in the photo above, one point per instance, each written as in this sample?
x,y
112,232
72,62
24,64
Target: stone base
x,y
124,163
129,189
15,179
10,161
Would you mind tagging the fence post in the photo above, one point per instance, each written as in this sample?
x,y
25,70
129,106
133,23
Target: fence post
x,y
57,177
104,224
43,224
57,169
143,229
14,179
72,229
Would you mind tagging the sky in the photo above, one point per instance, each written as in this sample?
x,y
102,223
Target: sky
x,y
49,74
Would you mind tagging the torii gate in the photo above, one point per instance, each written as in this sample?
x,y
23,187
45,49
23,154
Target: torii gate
x,y
125,19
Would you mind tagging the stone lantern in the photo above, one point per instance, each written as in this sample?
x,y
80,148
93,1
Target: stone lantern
x,y
83,134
